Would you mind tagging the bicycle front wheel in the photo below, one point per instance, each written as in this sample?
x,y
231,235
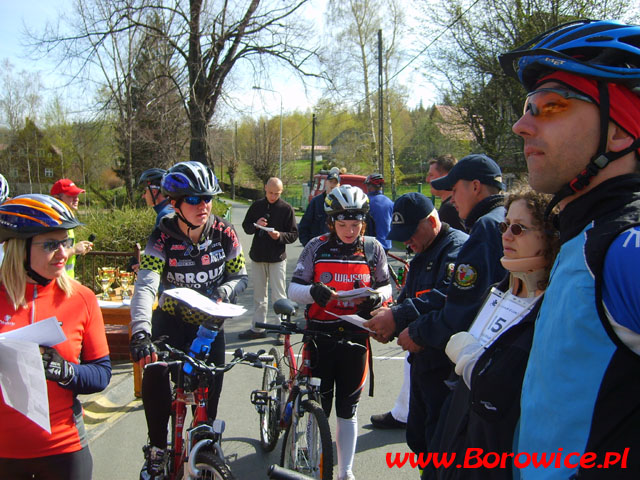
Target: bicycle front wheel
x,y
210,467
270,417
307,444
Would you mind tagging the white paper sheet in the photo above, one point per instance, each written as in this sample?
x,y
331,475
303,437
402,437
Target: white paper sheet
x,y
22,380
199,301
46,332
356,293
356,320
266,229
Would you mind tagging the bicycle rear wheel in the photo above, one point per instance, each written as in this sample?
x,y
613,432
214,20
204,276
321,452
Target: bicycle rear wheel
x,y
307,446
270,416
210,467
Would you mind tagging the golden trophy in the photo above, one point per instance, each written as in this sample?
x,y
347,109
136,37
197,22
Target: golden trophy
x,y
125,279
106,276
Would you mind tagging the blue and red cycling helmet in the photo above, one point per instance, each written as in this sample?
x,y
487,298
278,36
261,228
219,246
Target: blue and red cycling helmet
x,y
604,54
604,50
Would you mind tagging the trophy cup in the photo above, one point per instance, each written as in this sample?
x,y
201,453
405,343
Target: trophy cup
x,y
106,276
125,279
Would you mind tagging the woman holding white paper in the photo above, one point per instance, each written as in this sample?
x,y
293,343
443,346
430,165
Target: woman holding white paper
x,y
492,356
34,287
341,260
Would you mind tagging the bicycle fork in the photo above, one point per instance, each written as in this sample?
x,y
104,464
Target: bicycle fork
x,y
203,436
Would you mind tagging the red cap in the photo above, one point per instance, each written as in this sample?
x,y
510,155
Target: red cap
x,y
66,186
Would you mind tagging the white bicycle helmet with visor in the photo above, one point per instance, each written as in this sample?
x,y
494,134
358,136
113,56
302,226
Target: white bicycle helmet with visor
x,y
4,189
346,202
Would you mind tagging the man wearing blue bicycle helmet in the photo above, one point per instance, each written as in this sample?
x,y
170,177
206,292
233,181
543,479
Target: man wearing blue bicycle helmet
x,y
190,248
581,131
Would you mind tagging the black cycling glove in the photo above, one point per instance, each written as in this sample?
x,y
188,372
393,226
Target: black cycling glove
x,y
221,293
56,368
321,294
141,346
371,303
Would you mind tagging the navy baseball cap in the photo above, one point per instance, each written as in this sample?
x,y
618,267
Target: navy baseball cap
x,y
408,210
472,167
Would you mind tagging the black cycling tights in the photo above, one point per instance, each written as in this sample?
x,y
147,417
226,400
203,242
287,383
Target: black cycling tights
x,y
67,466
156,388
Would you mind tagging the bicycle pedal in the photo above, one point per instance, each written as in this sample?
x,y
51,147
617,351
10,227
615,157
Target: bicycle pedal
x,y
260,398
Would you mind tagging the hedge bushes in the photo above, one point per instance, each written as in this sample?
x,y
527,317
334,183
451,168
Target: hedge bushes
x,y
118,230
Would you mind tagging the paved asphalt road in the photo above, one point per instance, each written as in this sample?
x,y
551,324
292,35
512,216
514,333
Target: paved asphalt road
x,y
115,419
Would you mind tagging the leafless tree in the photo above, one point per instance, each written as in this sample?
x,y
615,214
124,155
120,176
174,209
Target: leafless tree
x,y
209,41
20,96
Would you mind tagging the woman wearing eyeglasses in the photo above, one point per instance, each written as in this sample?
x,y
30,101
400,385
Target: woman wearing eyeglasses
x,y
34,287
492,356
193,249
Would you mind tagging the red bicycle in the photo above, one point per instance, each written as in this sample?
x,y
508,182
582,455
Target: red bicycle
x,y
292,404
198,454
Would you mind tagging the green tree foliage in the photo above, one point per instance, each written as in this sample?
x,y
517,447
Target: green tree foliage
x,y
467,57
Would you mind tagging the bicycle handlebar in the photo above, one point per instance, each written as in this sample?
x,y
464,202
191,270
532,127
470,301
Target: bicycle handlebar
x,y
275,472
255,359
288,328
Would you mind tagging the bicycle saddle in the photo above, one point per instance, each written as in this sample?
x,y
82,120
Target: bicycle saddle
x,y
284,306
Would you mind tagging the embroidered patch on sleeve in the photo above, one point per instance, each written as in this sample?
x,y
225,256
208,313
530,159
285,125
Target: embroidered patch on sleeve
x,y
235,264
148,262
465,276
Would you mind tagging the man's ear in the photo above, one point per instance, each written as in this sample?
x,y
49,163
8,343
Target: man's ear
x,y
617,138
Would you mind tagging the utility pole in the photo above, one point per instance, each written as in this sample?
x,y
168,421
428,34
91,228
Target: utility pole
x,y
380,108
313,147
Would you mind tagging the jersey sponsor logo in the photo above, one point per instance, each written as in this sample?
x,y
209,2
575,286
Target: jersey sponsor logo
x,y
181,263
195,280
6,320
352,277
326,277
466,276
180,246
205,259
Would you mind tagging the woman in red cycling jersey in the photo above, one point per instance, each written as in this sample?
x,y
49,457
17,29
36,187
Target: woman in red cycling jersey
x,y
34,287
342,259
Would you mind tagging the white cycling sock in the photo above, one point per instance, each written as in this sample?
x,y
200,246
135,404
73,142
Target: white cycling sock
x,y
346,437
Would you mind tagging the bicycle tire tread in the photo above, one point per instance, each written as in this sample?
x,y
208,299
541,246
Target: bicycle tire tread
x,y
269,443
313,408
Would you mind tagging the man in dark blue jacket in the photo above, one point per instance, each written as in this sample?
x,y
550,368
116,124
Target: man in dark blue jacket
x,y
314,221
476,183
416,223
380,210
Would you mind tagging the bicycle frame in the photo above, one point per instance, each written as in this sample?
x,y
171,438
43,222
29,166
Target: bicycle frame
x,y
297,377
201,432
199,435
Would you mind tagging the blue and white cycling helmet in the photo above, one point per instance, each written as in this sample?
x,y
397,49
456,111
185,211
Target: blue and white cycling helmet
x,y
605,50
190,178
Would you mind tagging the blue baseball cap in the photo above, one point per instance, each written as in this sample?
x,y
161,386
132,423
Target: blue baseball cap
x,y
408,210
472,167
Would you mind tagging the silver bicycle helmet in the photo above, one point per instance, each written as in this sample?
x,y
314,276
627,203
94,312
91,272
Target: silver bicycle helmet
x,y
4,188
347,202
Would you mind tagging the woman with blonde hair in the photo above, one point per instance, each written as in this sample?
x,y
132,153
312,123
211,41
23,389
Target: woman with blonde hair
x,y
34,287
